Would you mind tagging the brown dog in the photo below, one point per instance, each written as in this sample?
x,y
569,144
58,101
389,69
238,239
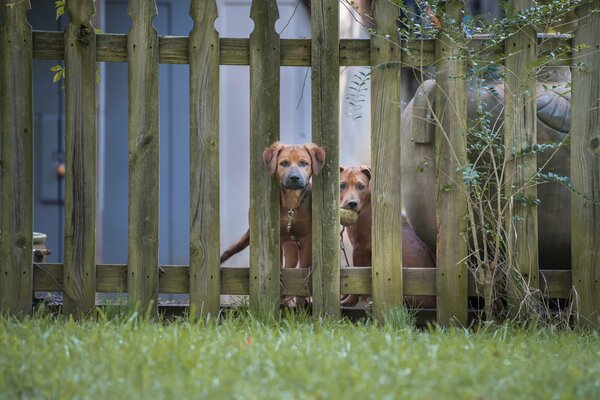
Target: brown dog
x,y
355,194
293,165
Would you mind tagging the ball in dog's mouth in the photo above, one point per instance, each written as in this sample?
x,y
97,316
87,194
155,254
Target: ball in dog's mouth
x,y
348,217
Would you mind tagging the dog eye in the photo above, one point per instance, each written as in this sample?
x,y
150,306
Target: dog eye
x,y
303,163
342,186
285,163
360,186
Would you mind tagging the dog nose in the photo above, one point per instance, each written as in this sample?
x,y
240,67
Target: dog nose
x,y
295,178
352,204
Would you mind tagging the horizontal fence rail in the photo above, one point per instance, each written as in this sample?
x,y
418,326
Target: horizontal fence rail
x,y
112,278
233,51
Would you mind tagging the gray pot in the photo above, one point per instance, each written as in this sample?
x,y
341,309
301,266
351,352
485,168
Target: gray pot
x,y
553,124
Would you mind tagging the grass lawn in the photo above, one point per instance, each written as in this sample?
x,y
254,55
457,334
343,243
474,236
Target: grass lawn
x,y
110,358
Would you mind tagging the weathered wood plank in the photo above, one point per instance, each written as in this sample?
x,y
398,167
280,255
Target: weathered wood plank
x,y
556,283
234,280
325,133
451,154
264,130
585,168
355,280
48,277
112,278
80,150
520,135
236,51
16,159
204,160
385,156
142,50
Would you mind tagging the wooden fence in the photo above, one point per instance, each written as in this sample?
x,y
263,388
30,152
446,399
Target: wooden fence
x,y
143,49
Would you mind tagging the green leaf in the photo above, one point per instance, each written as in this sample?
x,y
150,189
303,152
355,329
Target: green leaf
x,y
60,8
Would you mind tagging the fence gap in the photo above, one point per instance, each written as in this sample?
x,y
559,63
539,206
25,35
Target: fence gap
x,y
520,134
80,149
585,167
451,154
142,56
16,166
325,49
205,272
385,154
264,130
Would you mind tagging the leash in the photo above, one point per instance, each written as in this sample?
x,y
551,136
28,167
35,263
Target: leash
x,y
343,247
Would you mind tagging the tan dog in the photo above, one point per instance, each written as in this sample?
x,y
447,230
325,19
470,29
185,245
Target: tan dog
x,y
355,194
293,165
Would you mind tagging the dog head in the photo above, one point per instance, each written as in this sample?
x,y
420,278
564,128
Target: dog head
x,y
355,190
294,164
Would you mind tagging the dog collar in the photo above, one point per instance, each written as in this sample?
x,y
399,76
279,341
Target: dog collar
x,y
291,212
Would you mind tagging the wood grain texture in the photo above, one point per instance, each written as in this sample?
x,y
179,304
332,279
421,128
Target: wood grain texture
x,y
16,159
385,155
234,280
80,162
519,135
264,130
142,50
325,133
236,51
451,154
204,160
585,168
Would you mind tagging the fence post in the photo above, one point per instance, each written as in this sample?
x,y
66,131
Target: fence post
x,y
142,56
264,130
451,155
205,271
16,165
325,63
585,167
80,146
519,135
385,153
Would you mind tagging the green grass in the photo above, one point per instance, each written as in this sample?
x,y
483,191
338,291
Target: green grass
x,y
296,358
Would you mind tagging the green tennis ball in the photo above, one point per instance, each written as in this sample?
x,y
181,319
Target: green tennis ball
x,y
348,217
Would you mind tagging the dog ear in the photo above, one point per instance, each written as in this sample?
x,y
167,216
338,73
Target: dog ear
x,y
317,155
270,156
365,169
342,169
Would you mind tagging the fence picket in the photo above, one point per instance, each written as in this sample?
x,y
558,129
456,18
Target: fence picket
x,y
520,134
385,154
264,130
205,273
325,132
585,168
451,154
16,159
142,54
80,149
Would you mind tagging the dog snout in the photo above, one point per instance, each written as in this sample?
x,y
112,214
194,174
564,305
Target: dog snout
x,y
294,181
352,204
